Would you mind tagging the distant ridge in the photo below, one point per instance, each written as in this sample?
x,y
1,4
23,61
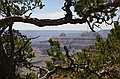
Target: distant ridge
x,y
84,40
104,33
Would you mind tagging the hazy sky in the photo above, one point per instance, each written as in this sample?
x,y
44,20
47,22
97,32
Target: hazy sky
x,y
52,10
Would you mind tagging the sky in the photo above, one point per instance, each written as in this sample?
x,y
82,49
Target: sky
x,y
52,10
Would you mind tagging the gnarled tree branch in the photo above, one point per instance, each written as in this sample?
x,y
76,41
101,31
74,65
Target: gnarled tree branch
x,y
55,22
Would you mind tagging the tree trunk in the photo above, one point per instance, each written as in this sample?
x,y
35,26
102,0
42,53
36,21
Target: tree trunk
x,y
7,71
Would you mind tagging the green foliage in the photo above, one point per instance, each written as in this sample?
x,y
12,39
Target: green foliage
x,y
27,76
22,48
84,64
96,11
55,50
50,65
20,42
19,7
85,5
16,47
91,65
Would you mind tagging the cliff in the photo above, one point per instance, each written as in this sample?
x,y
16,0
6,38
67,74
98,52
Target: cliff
x,y
83,40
